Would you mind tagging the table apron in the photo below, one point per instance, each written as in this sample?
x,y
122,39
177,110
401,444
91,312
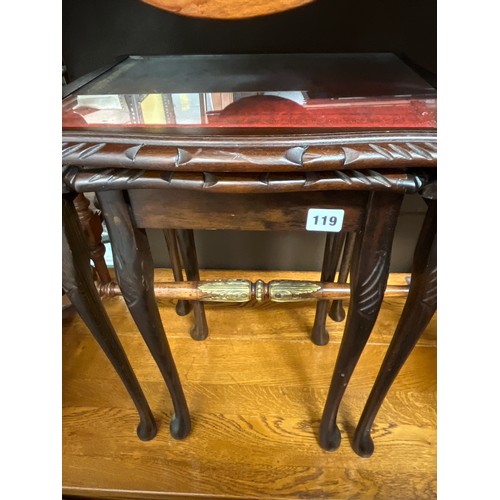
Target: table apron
x,y
183,209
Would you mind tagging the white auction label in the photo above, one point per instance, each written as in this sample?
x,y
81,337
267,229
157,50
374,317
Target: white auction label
x,y
324,219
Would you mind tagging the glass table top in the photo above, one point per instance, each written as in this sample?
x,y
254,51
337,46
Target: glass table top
x,y
325,91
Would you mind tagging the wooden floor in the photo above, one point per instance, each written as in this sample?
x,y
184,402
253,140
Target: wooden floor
x,y
256,389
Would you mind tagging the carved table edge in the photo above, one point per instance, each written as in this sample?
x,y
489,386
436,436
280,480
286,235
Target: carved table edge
x,y
333,151
94,180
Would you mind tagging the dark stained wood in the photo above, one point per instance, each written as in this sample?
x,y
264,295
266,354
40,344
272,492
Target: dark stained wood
x,y
252,178
337,312
267,182
248,153
182,209
333,247
134,271
199,330
369,273
418,311
183,306
78,285
92,228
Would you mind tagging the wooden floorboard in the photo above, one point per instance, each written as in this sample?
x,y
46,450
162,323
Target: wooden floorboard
x,y
256,389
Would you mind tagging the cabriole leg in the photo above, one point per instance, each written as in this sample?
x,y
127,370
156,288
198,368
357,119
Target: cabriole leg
x,y
134,272
183,307
333,247
79,286
420,306
199,330
337,312
369,273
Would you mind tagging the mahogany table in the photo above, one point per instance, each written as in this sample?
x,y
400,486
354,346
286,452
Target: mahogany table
x,y
328,142
419,308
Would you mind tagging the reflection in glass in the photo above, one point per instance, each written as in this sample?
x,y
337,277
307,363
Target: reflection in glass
x,y
248,109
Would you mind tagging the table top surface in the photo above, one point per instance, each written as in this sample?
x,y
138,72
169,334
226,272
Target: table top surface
x,y
251,92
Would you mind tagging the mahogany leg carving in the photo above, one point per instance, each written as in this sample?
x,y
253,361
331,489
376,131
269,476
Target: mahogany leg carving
x,y
337,312
420,306
369,273
333,247
79,286
92,228
134,272
199,330
183,307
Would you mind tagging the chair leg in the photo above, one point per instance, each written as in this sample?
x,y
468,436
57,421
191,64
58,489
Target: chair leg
x,y
134,271
420,306
337,312
79,286
369,273
333,247
199,330
183,307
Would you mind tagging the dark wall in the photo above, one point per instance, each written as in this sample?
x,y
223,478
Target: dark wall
x,y
94,32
